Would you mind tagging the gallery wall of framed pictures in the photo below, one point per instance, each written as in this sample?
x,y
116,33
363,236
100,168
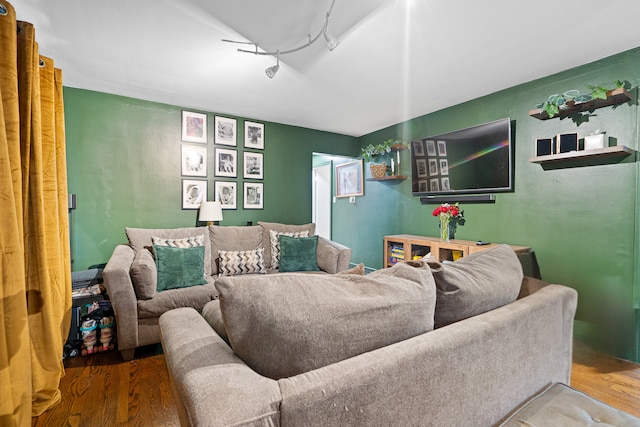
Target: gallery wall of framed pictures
x,y
230,163
432,171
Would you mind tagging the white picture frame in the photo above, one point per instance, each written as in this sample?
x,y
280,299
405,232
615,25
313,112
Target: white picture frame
x,y
445,184
225,132
226,192
254,135
444,166
418,148
253,195
434,184
194,127
193,160
226,162
442,148
433,167
421,168
431,147
194,192
253,165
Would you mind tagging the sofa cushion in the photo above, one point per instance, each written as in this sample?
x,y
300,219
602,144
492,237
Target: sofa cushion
x,y
144,274
194,296
284,228
232,263
179,267
186,242
275,244
140,238
357,270
285,324
298,254
475,284
213,315
233,238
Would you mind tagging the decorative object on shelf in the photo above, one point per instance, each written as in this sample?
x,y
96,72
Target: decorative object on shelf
x,y
594,141
450,217
567,142
572,101
349,179
382,151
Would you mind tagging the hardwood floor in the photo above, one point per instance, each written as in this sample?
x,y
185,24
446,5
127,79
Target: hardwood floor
x,y
104,391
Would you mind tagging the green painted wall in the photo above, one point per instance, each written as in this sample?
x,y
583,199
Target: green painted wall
x,y
582,222
124,160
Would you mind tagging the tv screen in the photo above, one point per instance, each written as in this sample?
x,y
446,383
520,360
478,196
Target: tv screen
x,y
477,159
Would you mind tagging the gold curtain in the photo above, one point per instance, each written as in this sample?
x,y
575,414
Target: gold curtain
x,y
35,272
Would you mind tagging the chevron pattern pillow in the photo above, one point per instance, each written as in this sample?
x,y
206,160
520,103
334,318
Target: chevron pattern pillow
x,y
232,263
187,242
275,244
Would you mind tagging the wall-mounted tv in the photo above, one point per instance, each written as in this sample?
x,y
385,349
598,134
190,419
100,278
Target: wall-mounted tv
x,y
478,159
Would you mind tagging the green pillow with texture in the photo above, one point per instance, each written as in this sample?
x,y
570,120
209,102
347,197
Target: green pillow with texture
x,y
298,253
179,267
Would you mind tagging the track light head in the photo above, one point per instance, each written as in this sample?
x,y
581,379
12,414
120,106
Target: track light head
x,y
332,42
271,71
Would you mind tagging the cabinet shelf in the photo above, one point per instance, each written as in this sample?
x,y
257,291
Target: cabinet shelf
x,y
614,97
599,153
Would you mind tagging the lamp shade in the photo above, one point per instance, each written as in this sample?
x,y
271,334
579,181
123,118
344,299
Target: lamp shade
x,y
210,211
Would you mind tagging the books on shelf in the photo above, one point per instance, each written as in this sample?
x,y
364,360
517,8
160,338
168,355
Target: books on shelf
x,y
396,254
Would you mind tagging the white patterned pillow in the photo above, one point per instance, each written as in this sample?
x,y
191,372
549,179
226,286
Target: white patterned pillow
x,y
232,263
187,242
275,244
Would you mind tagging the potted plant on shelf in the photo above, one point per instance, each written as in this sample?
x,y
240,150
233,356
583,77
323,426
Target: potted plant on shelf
x,y
372,153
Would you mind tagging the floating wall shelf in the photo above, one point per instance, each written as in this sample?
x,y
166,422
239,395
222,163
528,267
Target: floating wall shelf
x,y
389,178
614,97
599,153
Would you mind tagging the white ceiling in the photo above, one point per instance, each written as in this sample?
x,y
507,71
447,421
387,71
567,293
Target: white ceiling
x,y
397,59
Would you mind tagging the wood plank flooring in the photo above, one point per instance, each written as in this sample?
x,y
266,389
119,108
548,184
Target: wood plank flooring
x,y
102,390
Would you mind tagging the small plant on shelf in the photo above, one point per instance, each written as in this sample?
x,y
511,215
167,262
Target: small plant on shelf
x,y
372,152
557,102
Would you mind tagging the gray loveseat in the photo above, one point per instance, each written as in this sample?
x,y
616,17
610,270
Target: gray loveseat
x,y
130,275
499,339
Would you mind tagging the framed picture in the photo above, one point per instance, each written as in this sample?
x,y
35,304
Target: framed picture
x,y
433,167
349,179
194,192
445,184
254,135
434,184
226,162
421,168
194,127
442,148
225,132
253,195
431,148
253,167
418,148
226,194
444,167
194,160
423,186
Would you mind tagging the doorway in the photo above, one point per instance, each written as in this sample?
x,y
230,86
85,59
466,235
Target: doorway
x,y
321,199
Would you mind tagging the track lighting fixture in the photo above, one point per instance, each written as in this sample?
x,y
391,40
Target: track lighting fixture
x,y
332,43
271,71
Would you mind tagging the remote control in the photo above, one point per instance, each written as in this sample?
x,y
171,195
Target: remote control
x,y
481,243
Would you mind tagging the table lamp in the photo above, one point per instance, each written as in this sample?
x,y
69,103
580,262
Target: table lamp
x,y
210,212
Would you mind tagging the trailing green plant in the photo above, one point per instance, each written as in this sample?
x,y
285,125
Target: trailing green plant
x,y
600,92
555,102
373,152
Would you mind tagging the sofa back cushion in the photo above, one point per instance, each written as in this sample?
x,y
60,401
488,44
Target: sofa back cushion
x,y
475,284
140,238
144,274
284,228
285,324
233,238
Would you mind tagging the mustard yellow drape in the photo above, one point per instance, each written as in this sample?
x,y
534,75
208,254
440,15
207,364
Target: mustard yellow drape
x,y
35,273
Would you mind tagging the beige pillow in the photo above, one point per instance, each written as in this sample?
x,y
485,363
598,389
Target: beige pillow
x,y
233,238
288,323
284,228
357,270
476,284
232,263
144,274
140,238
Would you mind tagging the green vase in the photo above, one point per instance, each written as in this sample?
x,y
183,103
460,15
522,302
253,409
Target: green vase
x,y
445,230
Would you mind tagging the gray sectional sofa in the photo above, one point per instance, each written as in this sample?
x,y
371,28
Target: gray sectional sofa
x,y
131,277
418,344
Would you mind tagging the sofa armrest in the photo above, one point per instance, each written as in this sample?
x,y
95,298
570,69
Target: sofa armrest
x,y
117,280
213,386
332,257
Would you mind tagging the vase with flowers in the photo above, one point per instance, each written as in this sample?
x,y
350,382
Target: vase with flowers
x,y
450,216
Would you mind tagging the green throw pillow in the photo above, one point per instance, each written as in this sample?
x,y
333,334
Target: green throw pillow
x,y
179,267
298,253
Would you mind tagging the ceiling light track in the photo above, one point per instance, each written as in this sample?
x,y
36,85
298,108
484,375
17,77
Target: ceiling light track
x,y
332,43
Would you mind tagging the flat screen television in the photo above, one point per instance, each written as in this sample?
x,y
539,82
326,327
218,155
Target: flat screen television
x,y
478,159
